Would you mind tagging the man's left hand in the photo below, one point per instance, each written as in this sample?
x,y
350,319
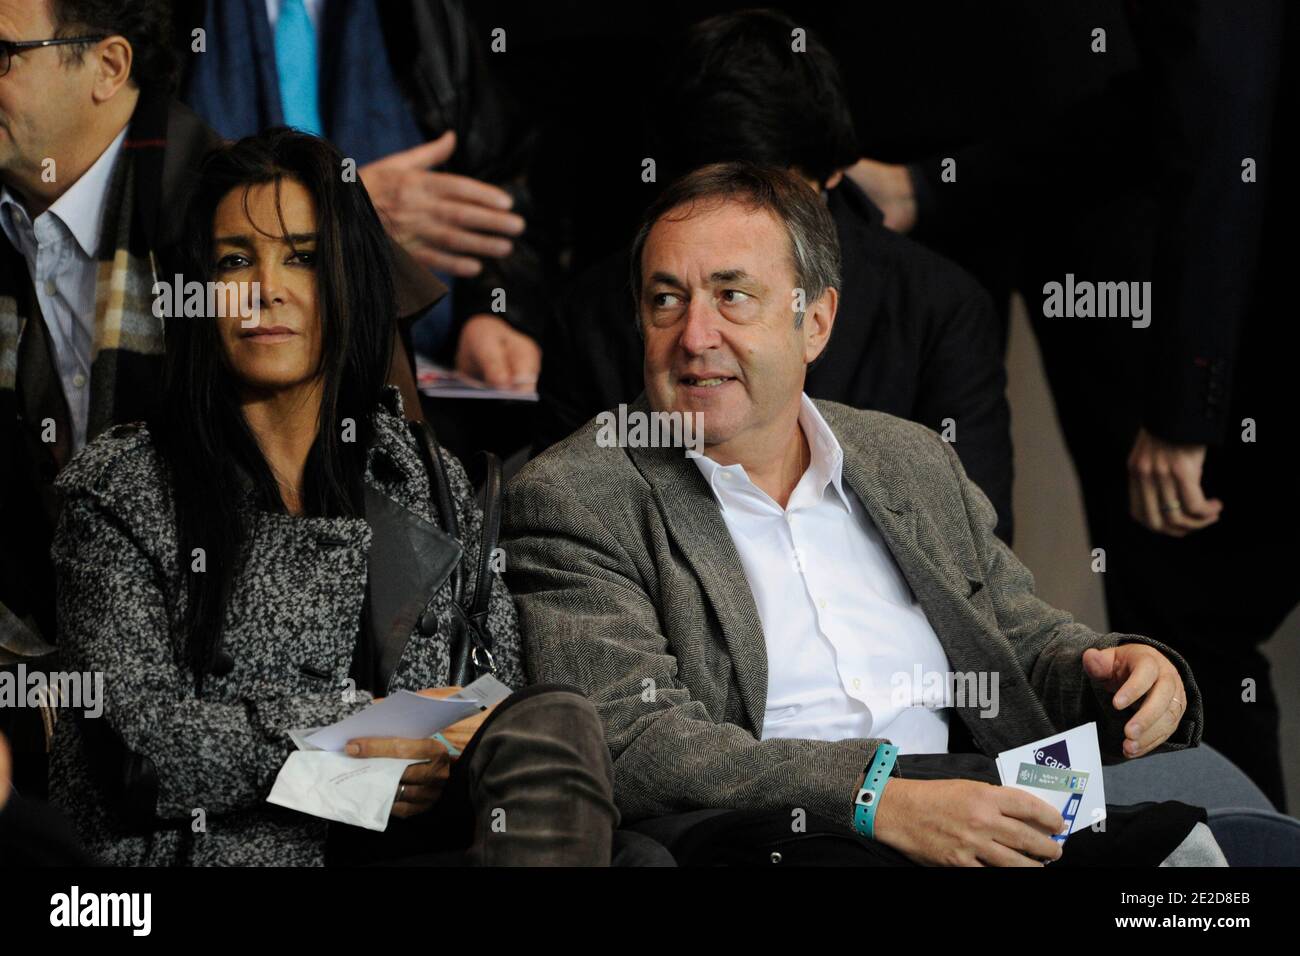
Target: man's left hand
x,y
494,351
1140,672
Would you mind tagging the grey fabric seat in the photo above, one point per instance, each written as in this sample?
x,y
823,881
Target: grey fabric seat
x,y
1200,776
1244,822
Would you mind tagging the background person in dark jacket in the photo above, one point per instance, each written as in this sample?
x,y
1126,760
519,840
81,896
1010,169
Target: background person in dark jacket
x,y
1169,162
403,88
222,567
916,336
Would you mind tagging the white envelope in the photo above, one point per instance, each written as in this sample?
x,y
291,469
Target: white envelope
x,y
1074,750
339,787
319,780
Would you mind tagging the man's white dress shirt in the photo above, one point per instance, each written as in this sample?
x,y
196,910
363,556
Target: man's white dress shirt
x,y
844,633
60,247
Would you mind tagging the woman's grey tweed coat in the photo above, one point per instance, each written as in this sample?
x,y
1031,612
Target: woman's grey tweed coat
x,y
297,601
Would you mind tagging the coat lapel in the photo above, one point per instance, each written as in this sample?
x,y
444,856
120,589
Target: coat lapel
x,y
692,517
971,642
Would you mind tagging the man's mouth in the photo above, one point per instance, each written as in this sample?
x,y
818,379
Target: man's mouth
x,y
706,381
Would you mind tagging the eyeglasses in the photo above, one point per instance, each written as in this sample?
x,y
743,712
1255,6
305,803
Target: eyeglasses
x,y
9,47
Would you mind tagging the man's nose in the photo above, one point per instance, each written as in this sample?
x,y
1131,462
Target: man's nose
x,y
701,330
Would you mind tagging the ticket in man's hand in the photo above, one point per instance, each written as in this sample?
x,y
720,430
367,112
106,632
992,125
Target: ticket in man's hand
x,y
1063,770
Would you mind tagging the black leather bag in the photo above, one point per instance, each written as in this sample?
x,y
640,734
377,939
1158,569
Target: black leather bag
x,y
471,640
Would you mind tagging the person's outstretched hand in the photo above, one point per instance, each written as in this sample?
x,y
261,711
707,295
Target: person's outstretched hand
x,y
447,222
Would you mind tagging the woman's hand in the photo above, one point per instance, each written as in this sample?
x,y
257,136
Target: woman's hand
x,y
458,734
422,783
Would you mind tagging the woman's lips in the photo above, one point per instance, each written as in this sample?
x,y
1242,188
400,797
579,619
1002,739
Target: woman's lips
x,y
268,334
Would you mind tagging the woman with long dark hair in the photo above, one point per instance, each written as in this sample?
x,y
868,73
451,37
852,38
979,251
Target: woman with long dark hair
x,y
268,553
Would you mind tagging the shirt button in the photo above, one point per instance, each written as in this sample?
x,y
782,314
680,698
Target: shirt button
x,y
857,683
79,380
50,287
726,476
821,603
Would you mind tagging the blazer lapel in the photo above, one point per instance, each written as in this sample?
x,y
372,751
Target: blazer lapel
x,y
692,517
942,588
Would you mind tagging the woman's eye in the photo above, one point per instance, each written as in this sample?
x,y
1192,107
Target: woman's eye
x,y
304,257
232,261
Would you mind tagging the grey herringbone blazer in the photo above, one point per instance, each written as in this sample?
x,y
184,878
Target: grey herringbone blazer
x,y
628,585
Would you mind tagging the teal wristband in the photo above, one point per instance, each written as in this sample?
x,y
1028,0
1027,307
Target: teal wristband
x,y
451,749
873,784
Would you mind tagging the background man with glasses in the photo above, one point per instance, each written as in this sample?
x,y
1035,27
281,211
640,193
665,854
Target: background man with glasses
x,y
83,84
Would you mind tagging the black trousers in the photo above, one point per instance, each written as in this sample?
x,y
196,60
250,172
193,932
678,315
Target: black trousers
x,y
1140,835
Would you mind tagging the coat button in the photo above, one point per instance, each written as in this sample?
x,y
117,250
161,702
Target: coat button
x,y
428,623
222,664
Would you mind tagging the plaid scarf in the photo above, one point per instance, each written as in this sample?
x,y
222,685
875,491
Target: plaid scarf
x,y
128,338
126,363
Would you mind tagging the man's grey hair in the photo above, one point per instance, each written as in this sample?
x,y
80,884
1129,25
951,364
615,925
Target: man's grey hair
x,y
814,244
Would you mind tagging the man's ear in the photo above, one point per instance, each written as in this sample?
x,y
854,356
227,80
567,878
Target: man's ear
x,y
817,324
835,179
111,60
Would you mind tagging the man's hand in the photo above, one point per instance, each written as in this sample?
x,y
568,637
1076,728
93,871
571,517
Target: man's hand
x,y
422,783
459,733
445,221
494,351
889,186
1164,486
1139,671
967,823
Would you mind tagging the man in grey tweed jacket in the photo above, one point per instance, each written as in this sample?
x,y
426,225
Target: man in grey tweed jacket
x,y
635,585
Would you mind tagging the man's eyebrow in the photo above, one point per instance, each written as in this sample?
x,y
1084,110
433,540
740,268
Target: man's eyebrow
x,y
667,278
729,275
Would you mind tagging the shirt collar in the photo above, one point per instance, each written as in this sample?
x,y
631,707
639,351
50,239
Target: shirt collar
x,y
825,467
826,462
81,208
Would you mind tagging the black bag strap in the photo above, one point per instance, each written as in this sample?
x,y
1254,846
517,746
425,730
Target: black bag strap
x,y
474,611
490,504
